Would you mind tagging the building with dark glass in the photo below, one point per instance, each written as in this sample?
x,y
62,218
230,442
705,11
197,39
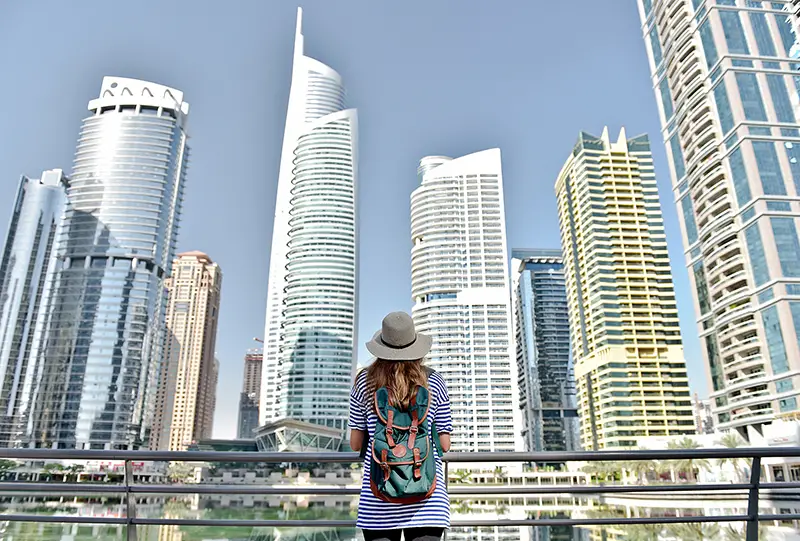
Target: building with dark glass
x,y
546,382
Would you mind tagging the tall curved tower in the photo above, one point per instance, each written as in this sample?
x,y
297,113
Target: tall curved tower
x,y
310,334
727,93
115,249
459,282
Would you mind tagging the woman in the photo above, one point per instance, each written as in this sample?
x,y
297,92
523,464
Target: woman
x,y
398,351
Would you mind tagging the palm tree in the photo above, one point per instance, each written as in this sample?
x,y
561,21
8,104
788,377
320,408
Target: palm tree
x,y
73,470
180,472
732,440
499,474
643,532
640,469
688,465
696,531
461,476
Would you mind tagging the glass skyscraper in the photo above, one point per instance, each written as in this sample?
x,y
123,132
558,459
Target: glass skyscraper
x,y
26,271
727,91
310,333
459,283
541,325
104,341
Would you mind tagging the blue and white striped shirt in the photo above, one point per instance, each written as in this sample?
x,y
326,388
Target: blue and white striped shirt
x,y
375,514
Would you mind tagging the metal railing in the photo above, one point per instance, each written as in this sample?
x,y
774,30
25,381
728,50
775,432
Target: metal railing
x,y
750,491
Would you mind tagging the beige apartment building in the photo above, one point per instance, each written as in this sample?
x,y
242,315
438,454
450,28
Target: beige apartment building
x,y
626,343
186,398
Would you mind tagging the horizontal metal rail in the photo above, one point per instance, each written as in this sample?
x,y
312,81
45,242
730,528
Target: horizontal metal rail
x,y
352,458
748,492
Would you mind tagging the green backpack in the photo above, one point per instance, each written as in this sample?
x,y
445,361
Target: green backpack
x,y
403,466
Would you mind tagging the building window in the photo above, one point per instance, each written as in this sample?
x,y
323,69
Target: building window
x,y
739,176
689,220
655,45
780,98
713,362
794,307
775,344
723,107
788,404
734,32
785,385
666,98
779,206
677,157
748,214
702,288
709,47
768,168
758,261
793,154
765,296
787,36
750,95
788,246
763,36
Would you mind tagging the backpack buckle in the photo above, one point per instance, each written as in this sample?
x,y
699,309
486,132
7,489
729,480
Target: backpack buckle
x,y
413,429
417,464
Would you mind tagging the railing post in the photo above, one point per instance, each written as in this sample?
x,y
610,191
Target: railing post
x,y
130,501
752,500
446,485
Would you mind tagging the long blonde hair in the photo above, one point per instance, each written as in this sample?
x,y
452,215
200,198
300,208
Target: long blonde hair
x,y
401,378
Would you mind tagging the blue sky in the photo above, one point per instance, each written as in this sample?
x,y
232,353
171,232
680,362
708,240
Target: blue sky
x,y
428,77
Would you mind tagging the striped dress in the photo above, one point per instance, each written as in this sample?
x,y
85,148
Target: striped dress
x,y
375,514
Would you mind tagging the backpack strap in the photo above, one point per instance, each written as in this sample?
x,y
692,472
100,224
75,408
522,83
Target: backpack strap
x,y
390,427
414,428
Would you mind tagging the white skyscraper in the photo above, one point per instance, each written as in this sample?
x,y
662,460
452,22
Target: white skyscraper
x,y
459,282
309,355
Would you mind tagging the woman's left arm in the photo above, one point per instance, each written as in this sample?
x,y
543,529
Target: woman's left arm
x,y
357,438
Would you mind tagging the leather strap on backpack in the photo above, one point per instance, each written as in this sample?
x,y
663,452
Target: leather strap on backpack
x,y
390,428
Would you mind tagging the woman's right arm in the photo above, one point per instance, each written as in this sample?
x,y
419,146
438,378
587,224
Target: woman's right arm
x,y
358,419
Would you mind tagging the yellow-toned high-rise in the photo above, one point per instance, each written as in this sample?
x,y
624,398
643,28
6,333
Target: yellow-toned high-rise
x,y
626,343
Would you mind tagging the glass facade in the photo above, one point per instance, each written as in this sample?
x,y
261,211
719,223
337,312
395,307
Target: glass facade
x,y
106,333
547,385
739,91
26,273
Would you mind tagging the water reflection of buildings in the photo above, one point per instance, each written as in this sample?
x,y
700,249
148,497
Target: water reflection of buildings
x,y
343,507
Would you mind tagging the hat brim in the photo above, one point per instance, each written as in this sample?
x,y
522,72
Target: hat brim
x,y
413,352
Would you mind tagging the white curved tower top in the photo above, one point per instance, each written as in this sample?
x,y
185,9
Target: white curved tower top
x,y
309,339
121,91
459,282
